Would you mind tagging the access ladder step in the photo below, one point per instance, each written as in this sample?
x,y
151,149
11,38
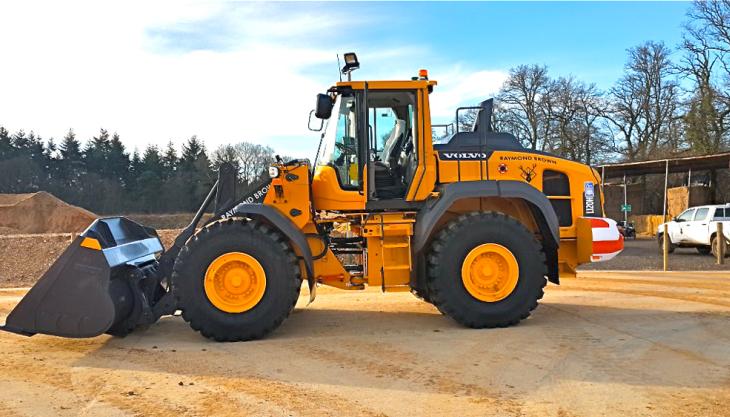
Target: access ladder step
x,y
397,267
396,245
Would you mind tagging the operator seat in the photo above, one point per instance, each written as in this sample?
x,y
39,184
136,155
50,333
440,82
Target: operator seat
x,y
388,175
389,157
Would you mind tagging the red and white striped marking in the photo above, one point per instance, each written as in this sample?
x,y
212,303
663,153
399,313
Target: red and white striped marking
x,y
607,241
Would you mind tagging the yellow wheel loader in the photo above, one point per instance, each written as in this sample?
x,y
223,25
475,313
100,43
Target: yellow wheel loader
x,y
473,223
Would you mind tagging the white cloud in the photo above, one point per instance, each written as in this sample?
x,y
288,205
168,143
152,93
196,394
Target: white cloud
x,y
160,70
461,87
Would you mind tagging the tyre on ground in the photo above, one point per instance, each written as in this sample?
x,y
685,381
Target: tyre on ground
x,y
486,269
236,280
715,247
660,240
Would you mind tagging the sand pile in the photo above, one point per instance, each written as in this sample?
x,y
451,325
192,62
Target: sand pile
x,y
40,213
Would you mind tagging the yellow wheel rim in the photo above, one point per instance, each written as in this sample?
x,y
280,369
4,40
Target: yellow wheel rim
x,y
235,282
490,272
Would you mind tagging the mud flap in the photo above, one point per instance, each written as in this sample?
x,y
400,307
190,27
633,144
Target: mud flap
x,y
75,298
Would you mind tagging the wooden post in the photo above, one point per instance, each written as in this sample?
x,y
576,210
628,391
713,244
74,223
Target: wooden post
x,y
626,213
665,246
720,244
666,183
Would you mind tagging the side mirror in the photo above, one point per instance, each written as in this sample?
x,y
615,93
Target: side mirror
x,y
324,106
316,128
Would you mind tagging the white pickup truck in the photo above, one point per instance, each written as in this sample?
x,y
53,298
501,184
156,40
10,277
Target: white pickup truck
x,y
696,227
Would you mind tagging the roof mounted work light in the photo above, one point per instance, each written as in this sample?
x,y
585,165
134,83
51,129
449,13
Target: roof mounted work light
x,y
351,64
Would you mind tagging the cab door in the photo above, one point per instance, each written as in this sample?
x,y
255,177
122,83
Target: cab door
x,y
339,177
678,232
401,164
696,230
392,132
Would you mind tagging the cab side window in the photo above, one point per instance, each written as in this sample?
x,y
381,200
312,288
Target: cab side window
x,y
556,186
702,214
686,216
346,152
721,214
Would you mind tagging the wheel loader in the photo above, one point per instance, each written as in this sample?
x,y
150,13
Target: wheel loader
x,y
473,223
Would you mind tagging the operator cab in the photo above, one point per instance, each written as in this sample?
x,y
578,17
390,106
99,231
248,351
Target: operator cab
x,y
370,139
383,138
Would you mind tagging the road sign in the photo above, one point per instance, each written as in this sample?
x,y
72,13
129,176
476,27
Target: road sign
x,y
626,207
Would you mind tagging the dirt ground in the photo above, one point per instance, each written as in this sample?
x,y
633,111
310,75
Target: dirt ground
x,y
605,344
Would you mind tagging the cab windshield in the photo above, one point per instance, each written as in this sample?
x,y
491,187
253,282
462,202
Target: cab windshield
x,y
339,145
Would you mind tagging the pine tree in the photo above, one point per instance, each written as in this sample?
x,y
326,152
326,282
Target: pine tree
x,y
149,182
118,160
169,160
19,143
96,154
195,173
191,151
70,166
6,146
135,169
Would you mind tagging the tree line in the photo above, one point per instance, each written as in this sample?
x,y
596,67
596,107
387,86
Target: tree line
x,y
102,176
659,107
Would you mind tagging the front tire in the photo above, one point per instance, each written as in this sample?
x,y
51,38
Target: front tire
x,y
236,281
660,240
486,270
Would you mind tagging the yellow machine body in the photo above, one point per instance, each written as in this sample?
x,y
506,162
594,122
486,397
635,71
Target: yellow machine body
x,y
388,262
473,223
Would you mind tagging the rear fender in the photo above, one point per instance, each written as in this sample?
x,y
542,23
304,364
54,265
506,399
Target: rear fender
x,y
546,219
286,227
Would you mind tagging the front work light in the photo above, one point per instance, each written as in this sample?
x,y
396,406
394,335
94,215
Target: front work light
x,y
351,63
273,172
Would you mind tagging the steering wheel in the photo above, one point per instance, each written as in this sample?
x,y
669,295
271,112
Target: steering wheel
x,y
345,148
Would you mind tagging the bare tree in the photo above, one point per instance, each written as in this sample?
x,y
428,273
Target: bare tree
x,y
704,46
644,103
251,159
521,100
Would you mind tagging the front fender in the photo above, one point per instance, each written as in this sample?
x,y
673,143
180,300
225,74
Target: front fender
x,y
286,227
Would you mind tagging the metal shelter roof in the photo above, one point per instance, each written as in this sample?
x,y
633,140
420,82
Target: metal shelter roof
x,y
683,164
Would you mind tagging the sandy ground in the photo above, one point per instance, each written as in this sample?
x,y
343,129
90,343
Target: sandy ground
x,y
606,344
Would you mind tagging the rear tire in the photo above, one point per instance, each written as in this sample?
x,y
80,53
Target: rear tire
x,y
265,245
715,247
704,250
457,241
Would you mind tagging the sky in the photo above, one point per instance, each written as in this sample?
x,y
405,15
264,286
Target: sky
x,y
227,71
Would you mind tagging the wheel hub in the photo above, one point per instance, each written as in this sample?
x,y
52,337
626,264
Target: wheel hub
x,y
490,272
235,282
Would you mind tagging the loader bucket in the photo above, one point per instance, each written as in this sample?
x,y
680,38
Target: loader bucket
x,y
83,294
